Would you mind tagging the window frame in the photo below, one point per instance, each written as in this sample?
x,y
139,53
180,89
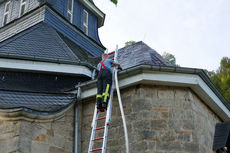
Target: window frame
x,y
20,9
70,11
86,23
6,13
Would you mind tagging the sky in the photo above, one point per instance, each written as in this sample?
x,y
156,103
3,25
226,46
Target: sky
x,y
197,32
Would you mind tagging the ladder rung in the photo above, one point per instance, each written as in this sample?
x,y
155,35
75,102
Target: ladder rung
x,y
96,149
100,128
99,138
101,118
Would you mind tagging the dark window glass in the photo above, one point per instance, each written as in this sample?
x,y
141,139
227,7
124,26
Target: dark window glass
x,y
70,5
22,10
86,30
5,19
7,7
69,16
85,17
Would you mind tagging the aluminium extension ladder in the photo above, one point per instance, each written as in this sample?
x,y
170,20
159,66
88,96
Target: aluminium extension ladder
x,y
107,119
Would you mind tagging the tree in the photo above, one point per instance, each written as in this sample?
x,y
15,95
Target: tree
x,y
114,1
127,43
221,78
170,57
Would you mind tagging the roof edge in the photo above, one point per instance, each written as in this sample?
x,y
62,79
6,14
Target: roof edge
x,y
48,60
78,68
196,79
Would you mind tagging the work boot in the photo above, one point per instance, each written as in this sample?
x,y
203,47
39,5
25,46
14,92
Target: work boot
x,y
99,105
104,105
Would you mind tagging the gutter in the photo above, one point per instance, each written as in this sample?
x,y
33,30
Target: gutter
x,y
140,68
49,60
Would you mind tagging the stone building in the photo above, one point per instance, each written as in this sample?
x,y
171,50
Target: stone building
x,y
49,47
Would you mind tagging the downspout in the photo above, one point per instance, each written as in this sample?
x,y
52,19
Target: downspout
x,y
76,120
76,129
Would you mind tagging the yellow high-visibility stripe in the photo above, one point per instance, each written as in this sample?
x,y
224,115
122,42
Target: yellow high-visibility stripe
x,y
99,96
106,94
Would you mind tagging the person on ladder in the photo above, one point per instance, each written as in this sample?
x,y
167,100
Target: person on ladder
x,y
104,81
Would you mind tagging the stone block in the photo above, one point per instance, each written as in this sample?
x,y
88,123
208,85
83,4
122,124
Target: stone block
x,y
191,147
59,141
41,137
38,147
50,132
159,124
24,145
169,147
10,145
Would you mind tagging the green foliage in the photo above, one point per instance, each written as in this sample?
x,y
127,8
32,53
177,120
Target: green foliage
x,y
170,57
127,43
222,77
114,1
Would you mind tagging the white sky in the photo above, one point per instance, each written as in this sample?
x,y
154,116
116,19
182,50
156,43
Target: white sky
x,y
197,32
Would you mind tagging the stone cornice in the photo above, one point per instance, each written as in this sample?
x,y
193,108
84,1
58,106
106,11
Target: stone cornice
x,y
196,79
15,114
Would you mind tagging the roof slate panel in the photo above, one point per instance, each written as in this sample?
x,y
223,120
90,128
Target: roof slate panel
x,y
140,53
35,101
41,41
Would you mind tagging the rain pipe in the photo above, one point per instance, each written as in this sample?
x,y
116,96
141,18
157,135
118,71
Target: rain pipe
x,y
76,121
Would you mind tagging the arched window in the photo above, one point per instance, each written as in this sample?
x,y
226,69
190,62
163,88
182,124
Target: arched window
x,y
85,22
22,10
6,15
70,11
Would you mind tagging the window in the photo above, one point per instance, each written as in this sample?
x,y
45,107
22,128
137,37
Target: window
x,y
22,10
6,13
85,22
70,11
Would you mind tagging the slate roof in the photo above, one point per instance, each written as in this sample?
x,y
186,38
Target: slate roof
x,y
140,53
39,82
40,92
42,42
136,54
38,102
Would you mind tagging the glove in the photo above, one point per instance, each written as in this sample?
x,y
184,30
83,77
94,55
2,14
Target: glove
x,y
119,68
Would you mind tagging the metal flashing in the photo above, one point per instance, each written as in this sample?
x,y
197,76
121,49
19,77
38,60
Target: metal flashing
x,y
76,68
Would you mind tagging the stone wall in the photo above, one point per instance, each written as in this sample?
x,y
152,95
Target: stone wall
x,y
159,119
38,137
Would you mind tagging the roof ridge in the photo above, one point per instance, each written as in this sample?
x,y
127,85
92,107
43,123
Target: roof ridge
x,y
131,45
67,52
158,56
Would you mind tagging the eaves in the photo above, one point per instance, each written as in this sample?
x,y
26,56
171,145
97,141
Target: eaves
x,y
196,79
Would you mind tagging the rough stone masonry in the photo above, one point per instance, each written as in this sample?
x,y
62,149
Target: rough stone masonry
x,y
160,119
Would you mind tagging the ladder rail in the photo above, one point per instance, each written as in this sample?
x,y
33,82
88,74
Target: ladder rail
x,y
93,134
108,115
122,113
